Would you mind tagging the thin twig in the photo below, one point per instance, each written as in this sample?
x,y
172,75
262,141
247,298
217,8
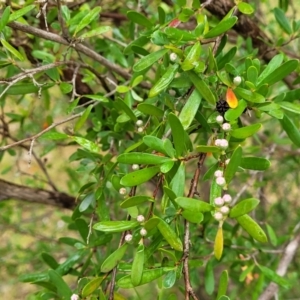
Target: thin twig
x,y
186,247
35,136
79,47
287,257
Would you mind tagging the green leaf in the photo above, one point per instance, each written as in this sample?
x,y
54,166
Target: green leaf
x,y
96,97
138,266
5,17
190,109
21,12
99,30
148,276
243,207
193,204
65,87
221,62
252,74
140,176
202,88
292,95
233,165
53,135
177,134
252,228
167,166
282,20
192,57
255,163
233,113
215,191
113,259
192,216
209,280
246,9
291,130
222,27
123,89
169,234
156,144
249,95
115,226
292,107
274,63
177,183
49,260
135,200
281,72
223,284
137,80
87,19
91,286
147,61
142,158
87,144
12,50
121,105
34,277
80,122
274,277
219,243
139,19
272,235
169,280
208,149
87,202
244,132
62,288
149,109
244,274
164,81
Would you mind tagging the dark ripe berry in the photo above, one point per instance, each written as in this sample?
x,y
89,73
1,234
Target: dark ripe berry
x,y
222,106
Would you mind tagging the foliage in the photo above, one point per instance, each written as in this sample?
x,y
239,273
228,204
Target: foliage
x,y
182,145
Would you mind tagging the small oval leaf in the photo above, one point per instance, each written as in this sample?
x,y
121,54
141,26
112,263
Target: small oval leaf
x,y
140,176
244,132
147,61
252,228
115,226
135,201
142,158
233,165
169,234
255,163
243,207
218,246
193,204
113,259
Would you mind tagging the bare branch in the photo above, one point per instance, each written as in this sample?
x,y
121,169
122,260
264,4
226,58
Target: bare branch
x,y
287,257
53,125
79,47
10,190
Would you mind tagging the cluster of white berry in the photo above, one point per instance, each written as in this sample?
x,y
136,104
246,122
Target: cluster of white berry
x,y
143,231
222,207
139,124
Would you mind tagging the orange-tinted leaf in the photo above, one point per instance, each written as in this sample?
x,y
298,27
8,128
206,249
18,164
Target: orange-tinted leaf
x,y
231,98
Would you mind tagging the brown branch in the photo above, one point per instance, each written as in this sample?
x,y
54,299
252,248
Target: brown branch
x,y
186,247
77,46
35,136
287,257
10,190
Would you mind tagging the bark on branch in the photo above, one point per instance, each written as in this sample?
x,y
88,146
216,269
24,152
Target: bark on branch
x,y
9,190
